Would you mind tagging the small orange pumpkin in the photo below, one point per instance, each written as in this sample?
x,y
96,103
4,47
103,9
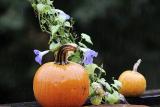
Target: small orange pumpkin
x,y
133,83
61,83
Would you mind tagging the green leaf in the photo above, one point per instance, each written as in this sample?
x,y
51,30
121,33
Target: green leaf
x,y
114,86
49,2
81,44
54,29
44,8
54,46
105,84
117,84
91,91
83,49
40,7
60,19
51,11
47,9
91,68
75,57
34,6
86,37
102,81
101,69
112,98
67,24
43,21
108,87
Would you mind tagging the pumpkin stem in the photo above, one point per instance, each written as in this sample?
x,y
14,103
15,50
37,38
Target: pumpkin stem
x,y
136,65
61,57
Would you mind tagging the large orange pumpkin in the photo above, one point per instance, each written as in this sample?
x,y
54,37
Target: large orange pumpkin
x,y
61,83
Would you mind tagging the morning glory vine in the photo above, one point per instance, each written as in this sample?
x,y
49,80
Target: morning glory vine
x,y
59,26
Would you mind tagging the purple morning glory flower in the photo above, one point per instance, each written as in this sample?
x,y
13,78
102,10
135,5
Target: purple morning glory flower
x,y
39,55
88,56
63,14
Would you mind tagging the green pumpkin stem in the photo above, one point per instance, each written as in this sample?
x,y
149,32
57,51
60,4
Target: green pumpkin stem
x,y
61,57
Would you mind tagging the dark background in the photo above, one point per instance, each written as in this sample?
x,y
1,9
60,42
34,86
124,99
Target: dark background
x,y
122,30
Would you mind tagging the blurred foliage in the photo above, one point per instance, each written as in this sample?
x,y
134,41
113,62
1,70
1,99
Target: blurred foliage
x,y
123,30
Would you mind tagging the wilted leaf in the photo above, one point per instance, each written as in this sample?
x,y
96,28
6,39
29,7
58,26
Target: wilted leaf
x,y
96,100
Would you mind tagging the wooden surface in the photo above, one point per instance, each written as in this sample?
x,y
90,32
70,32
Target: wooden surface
x,y
149,98
34,104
